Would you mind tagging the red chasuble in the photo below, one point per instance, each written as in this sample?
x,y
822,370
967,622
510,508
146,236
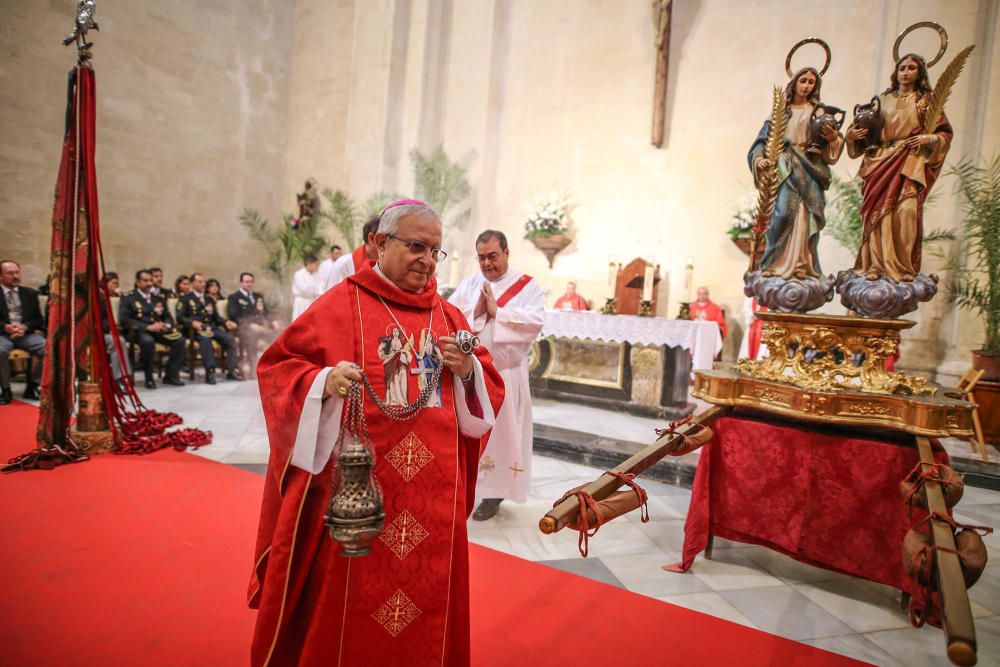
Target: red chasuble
x,y
709,311
406,603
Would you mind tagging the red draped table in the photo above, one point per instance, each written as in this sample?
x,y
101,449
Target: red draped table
x,y
825,497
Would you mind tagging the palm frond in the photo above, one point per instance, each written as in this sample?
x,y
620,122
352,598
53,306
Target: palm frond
x,y
943,89
342,215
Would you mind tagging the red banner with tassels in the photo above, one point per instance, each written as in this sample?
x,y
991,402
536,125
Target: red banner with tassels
x,y
75,343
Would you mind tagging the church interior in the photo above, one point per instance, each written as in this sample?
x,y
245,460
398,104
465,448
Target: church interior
x,y
691,306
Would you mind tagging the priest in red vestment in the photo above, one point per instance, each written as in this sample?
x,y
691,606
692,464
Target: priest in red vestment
x,y
571,300
359,258
705,309
407,602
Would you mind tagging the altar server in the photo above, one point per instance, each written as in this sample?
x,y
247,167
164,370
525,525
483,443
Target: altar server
x,y
507,311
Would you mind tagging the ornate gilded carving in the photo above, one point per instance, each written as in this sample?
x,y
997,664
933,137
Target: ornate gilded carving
x,y
934,416
829,353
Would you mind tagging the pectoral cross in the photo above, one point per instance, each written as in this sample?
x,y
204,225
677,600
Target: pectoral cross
x,y
661,24
425,371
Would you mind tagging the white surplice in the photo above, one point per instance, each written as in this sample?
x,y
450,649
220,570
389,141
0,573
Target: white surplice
x,y
306,288
505,468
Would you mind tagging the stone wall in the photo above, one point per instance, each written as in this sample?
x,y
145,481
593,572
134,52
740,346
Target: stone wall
x,y
193,102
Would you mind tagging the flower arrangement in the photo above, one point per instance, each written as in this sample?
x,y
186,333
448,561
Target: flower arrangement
x,y
550,217
742,222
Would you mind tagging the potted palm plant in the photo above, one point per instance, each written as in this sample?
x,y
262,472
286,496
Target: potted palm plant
x,y
975,286
975,283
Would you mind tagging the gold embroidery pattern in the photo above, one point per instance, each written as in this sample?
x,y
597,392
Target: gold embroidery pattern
x,y
397,613
486,466
403,535
409,456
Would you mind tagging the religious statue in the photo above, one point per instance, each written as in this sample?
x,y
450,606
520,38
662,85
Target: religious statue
x,y
789,278
898,168
308,201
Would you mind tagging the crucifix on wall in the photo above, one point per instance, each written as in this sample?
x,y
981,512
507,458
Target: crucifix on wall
x,y
661,23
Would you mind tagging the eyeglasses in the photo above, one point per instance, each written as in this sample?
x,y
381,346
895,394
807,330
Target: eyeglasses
x,y
419,248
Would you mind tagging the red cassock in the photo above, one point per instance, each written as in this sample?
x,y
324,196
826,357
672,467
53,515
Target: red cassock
x,y
407,602
708,311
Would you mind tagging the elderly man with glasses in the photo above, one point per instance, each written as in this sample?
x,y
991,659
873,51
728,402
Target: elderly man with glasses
x,y
383,347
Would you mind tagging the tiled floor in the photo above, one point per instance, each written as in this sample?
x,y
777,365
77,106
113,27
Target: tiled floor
x,y
745,584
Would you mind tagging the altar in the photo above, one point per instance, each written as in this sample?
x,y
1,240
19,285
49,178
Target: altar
x,y
639,364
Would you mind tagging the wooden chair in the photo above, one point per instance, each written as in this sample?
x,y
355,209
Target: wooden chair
x,y
20,364
966,385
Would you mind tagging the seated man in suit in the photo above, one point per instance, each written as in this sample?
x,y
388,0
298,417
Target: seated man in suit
x,y
148,317
23,328
248,309
198,311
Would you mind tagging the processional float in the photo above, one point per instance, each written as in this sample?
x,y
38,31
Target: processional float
x,y
829,369
84,409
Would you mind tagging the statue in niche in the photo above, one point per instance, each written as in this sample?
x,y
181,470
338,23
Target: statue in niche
x,y
898,168
308,201
789,277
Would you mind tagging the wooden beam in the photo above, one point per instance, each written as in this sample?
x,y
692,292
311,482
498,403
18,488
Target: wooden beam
x,y
565,512
956,613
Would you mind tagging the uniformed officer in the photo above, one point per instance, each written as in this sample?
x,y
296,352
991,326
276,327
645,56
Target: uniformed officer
x,y
148,316
248,309
198,311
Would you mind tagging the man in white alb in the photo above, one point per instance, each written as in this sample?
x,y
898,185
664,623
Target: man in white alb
x,y
506,309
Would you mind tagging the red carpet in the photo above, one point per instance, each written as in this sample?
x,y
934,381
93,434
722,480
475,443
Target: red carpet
x,y
144,561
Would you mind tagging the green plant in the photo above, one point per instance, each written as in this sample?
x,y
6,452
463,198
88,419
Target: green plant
x,y
975,284
843,214
347,218
843,217
443,184
286,245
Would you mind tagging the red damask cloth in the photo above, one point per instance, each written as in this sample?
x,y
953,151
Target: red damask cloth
x,y
824,498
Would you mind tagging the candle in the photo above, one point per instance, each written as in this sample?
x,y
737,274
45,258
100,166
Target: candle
x,y
689,276
647,284
612,279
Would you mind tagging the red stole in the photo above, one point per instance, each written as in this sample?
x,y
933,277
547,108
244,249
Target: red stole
x,y
407,601
513,290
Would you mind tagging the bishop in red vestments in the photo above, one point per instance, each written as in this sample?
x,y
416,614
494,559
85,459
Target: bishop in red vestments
x,y
705,309
407,602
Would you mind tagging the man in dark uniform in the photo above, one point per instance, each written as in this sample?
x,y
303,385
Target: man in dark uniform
x,y
198,311
248,309
157,288
22,327
148,316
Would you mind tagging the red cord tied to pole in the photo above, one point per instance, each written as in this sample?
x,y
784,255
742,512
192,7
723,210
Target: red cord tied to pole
x,y
592,514
918,561
628,478
696,436
912,488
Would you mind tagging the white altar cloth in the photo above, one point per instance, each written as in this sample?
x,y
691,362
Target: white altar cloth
x,y
699,337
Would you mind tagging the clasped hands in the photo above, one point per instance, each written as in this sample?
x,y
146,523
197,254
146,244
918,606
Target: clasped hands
x,y
340,378
487,302
15,330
